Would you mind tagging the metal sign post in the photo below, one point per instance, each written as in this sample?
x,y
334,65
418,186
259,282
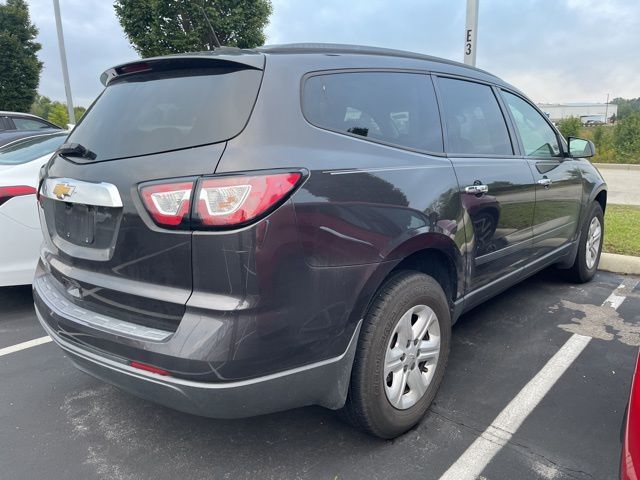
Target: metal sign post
x,y
471,33
63,61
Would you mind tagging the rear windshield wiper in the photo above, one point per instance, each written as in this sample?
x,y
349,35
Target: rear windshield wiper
x,y
75,150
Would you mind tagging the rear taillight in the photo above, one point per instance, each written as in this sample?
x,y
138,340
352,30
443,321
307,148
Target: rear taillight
x,y
7,193
234,201
218,202
168,203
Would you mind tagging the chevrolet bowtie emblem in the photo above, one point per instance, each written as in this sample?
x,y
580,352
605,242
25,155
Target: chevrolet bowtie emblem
x,y
63,190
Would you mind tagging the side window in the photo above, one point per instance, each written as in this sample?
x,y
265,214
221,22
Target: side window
x,y
397,108
29,123
538,138
475,124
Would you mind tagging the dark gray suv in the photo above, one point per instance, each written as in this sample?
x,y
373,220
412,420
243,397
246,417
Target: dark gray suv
x,y
238,232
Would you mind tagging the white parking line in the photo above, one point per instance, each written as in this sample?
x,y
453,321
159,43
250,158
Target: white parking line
x,y
474,460
21,346
619,294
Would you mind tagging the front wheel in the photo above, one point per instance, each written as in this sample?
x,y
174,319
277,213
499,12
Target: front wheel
x,y
590,247
401,358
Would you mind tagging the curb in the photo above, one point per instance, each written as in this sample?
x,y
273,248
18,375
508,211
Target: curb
x,y
617,166
626,264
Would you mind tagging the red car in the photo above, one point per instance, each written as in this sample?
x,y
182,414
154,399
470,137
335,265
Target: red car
x,y
630,461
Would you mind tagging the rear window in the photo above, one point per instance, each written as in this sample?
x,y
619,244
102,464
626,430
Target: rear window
x,y
22,123
170,110
28,149
389,107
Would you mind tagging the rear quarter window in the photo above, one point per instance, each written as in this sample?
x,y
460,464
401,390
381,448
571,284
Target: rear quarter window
x,y
170,110
387,107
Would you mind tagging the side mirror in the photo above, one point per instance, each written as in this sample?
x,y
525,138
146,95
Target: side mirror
x,y
580,148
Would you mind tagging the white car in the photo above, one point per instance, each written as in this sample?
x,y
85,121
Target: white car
x,y
20,235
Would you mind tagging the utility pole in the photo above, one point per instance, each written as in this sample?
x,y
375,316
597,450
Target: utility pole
x,y
471,33
63,61
606,110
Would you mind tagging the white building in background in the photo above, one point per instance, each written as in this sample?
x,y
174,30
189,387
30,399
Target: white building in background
x,y
584,111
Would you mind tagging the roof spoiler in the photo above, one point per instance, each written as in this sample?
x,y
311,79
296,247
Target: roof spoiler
x,y
223,55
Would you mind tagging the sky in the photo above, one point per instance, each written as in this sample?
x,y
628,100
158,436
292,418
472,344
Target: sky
x,y
553,50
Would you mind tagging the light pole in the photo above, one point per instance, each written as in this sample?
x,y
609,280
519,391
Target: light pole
x,y
471,33
606,110
63,61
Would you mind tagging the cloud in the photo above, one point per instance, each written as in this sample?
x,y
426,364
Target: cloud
x,y
553,50
94,42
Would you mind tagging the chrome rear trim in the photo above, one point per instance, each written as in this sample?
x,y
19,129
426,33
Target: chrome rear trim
x,y
76,191
64,308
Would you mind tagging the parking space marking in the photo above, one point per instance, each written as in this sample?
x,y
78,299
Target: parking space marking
x,y
21,346
475,458
619,294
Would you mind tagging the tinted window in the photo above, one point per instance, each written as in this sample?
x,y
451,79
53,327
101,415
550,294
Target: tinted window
x,y
29,123
538,138
398,108
156,112
23,151
475,124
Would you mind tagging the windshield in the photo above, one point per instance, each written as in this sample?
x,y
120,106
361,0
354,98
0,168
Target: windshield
x,y
161,111
28,149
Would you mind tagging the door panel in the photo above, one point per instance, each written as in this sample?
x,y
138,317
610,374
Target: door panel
x,y
497,223
496,186
558,178
558,199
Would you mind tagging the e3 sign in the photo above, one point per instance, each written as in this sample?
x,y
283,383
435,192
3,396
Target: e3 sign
x,y
470,33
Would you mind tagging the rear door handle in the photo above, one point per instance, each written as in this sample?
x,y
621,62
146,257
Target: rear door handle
x,y
476,189
545,182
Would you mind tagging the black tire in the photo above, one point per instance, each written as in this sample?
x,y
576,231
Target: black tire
x,y
367,406
580,271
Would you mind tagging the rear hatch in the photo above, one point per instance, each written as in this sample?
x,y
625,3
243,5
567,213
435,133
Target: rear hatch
x,y
157,119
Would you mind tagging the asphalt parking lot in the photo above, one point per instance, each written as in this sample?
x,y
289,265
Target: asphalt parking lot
x,y
58,423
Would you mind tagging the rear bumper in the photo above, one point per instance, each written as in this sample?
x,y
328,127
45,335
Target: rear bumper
x,y
324,383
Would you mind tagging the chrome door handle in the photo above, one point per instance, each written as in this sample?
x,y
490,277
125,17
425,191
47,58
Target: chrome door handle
x,y
476,189
545,182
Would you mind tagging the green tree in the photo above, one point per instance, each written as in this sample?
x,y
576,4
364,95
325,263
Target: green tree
x,y
626,106
58,114
78,112
41,106
19,65
161,27
626,138
570,127
44,107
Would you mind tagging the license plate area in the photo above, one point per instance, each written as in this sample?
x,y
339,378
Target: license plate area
x,y
76,223
88,226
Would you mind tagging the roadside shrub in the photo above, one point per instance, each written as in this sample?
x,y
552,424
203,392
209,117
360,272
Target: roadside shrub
x,y
626,139
570,127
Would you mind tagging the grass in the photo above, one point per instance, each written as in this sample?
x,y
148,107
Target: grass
x,y
622,230
622,224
